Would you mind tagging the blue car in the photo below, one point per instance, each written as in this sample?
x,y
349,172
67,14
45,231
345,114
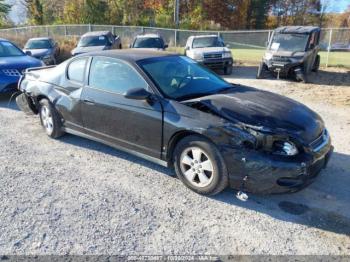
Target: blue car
x,y
12,63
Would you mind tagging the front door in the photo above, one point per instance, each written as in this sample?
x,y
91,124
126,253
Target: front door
x,y
108,115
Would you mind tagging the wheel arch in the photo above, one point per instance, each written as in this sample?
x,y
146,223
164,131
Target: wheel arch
x,y
177,137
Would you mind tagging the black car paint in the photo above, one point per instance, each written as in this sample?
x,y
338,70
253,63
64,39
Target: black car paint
x,y
233,121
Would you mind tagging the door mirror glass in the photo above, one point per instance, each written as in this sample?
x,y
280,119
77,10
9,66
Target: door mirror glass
x,y
137,94
166,46
29,53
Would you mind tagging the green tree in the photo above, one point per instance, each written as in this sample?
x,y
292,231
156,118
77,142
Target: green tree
x,y
35,11
4,10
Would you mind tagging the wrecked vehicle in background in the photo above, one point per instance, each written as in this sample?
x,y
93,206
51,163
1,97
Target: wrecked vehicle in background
x,y
292,52
170,110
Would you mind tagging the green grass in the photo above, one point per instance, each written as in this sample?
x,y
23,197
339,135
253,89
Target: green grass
x,y
337,59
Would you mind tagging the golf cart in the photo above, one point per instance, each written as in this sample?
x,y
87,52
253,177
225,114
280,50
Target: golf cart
x,y
292,52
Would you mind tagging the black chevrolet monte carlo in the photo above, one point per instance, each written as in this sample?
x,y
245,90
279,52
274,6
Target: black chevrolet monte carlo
x,y
170,110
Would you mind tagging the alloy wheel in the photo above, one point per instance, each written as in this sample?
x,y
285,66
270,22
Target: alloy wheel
x,y
197,167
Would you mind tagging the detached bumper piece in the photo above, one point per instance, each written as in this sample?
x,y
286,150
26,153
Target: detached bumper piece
x,y
24,103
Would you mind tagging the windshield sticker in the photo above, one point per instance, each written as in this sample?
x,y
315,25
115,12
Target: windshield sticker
x,y
101,38
275,46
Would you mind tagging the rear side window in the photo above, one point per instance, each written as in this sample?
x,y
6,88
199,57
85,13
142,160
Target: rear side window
x,y
114,75
76,70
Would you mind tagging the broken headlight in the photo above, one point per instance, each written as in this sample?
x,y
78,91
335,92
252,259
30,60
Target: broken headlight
x,y
285,148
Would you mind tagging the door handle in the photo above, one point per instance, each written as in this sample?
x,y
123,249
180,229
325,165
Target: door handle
x,y
89,101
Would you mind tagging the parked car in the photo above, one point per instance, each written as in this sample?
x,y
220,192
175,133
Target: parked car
x,y
97,41
169,109
211,51
292,52
149,41
44,49
12,63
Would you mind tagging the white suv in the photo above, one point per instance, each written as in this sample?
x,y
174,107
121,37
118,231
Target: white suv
x,y
210,51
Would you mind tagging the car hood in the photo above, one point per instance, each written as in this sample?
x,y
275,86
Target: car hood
x,y
82,50
212,50
38,52
19,62
148,49
264,111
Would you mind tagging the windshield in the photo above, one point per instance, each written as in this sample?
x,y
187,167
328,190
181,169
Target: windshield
x,y
8,49
93,41
149,43
207,42
289,42
181,78
38,44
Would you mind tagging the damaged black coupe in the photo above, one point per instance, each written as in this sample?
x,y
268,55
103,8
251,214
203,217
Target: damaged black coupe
x,y
170,110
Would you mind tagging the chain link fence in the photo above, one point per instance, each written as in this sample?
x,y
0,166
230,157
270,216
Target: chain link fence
x,y
247,46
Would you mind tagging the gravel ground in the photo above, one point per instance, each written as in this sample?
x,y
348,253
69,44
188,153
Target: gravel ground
x,y
74,196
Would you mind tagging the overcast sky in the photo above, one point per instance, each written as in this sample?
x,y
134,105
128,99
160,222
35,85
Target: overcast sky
x,y
18,12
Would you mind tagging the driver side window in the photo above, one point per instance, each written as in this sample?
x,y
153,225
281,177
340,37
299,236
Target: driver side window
x,y
114,75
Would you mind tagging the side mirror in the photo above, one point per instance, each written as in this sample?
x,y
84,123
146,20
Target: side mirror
x,y
312,46
28,53
166,46
130,46
137,94
228,45
187,48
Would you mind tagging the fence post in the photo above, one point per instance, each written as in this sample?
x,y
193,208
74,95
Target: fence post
x,y
89,27
175,40
329,45
47,31
65,31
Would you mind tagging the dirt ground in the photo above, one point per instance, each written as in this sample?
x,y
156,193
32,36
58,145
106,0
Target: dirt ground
x,y
75,196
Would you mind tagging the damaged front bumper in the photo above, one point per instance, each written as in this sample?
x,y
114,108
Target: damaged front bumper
x,y
281,67
261,173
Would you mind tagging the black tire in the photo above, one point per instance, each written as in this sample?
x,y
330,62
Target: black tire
x,y
316,66
218,179
54,128
228,70
261,74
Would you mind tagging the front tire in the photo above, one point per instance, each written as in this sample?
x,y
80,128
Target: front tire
x,y
228,70
50,119
261,74
200,166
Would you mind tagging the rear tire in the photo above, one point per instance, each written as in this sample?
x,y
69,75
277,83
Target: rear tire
x,y
50,119
317,64
200,166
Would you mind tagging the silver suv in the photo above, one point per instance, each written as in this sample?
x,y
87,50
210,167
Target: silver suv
x,y
210,51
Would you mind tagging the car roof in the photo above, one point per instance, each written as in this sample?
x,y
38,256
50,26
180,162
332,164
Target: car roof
x,y
297,29
40,38
132,55
149,36
97,33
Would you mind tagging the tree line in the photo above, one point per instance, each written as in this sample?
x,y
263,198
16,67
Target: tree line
x,y
193,14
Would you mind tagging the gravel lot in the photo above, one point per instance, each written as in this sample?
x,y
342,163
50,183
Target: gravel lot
x,y
74,196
